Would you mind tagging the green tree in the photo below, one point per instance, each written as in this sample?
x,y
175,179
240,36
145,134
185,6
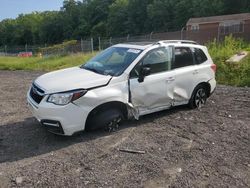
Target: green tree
x,y
82,19
52,29
138,17
161,15
118,18
7,32
236,6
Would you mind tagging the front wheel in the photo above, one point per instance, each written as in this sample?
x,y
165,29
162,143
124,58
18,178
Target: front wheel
x,y
199,97
109,119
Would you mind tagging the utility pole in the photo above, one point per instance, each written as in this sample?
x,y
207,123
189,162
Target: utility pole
x,y
99,39
5,49
81,45
110,41
128,37
26,48
46,52
151,34
92,45
182,30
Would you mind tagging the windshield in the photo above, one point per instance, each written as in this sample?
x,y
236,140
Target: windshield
x,y
112,61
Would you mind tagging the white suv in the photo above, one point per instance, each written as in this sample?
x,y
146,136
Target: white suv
x,y
122,82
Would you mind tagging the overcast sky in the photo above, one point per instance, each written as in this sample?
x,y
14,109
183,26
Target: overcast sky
x,y
12,8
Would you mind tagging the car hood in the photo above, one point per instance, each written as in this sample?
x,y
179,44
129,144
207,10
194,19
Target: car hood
x,y
70,79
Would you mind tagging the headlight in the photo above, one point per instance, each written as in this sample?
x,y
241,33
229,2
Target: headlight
x,y
66,97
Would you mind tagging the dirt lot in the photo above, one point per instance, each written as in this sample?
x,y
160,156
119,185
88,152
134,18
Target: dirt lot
x,y
184,148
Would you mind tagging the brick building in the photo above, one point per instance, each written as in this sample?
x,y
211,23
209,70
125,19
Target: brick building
x,y
208,28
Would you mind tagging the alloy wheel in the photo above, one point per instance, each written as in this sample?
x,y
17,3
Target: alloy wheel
x,y
200,98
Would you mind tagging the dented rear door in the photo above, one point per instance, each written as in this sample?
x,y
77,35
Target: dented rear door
x,y
186,75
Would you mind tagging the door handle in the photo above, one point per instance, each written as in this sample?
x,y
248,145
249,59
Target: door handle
x,y
195,72
170,79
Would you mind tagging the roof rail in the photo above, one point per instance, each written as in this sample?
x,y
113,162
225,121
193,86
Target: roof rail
x,y
178,41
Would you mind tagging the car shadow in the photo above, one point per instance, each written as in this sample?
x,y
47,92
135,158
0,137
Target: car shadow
x,y
28,138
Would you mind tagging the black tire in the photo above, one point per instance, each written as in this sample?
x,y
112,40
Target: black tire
x,y
199,97
108,119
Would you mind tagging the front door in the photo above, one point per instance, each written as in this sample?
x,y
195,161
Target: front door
x,y
155,92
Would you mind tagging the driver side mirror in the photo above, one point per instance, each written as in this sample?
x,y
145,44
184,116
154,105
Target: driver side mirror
x,y
145,71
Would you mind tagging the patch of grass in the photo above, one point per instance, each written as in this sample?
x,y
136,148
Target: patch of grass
x,y
235,74
43,64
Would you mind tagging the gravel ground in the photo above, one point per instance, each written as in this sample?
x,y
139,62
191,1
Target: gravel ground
x,y
184,148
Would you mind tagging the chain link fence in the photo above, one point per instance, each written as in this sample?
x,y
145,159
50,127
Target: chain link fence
x,y
201,36
82,46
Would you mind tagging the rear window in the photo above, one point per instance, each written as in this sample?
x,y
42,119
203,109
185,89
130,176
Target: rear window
x,y
199,56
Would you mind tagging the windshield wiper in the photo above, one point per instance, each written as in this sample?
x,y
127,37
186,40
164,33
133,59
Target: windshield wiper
x,y
93,70
108,74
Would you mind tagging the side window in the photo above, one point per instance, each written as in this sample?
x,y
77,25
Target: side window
x,y
136,70
159,60
199,56
183,57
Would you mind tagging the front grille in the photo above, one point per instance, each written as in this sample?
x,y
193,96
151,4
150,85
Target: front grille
x,y
38,89
36,94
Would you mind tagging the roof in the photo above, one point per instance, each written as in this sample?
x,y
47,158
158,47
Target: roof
x,y
145,45
135,46
216,19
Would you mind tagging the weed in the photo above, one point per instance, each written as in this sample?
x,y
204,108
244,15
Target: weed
x,y
236,74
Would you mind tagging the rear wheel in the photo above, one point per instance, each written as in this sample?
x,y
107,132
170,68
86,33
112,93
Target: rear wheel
x,y
109,120
199,97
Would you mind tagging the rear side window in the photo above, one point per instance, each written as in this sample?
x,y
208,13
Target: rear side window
x,y
183,57
199,56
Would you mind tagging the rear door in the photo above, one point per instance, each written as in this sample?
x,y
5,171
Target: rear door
x,y
186,74
204,70
156,91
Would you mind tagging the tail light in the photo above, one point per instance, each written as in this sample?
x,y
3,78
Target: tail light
x,y
214,67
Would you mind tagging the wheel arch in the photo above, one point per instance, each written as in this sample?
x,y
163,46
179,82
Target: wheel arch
x,y
207,86
204,85
108,105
